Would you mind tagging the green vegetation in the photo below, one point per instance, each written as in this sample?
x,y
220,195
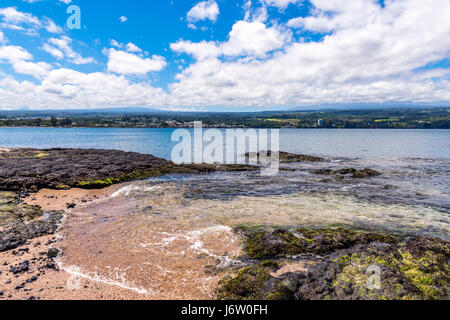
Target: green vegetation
x,y
417,118
413,268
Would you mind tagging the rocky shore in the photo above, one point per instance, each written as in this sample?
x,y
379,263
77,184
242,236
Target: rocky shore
x,y
29,170
337,264
277,263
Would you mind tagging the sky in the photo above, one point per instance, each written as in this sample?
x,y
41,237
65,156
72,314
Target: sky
x,y
222,55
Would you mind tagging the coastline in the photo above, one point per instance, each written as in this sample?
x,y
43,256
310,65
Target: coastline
x,y
269,263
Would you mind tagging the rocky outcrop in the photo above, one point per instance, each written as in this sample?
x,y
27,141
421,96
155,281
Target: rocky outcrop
x,y
341,264
31,169
286,157
19,232
348,172
12,209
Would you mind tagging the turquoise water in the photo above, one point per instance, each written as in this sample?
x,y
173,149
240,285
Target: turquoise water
x,y
365,144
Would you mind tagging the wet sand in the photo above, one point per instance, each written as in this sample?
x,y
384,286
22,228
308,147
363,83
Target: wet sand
x,y
99,261
44,279
49,199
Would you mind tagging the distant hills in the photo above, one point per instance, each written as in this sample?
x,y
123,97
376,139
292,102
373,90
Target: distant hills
x,y
141,110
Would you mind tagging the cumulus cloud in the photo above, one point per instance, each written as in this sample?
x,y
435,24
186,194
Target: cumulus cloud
x,y
131,47
205,10
282,4
74,90
2,38
371,55
254,38
251,39
26,22
365,52
122,62
20,60
60,48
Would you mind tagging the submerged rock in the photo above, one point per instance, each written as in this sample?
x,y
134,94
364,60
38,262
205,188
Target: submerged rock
x,y
256,283
286,157
351,266
261,243
352,172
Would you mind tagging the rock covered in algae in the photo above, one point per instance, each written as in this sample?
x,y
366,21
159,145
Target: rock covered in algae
x,y
12,209
342,264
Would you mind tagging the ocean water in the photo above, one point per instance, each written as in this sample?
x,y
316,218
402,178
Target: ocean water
x,y
433,144
161,237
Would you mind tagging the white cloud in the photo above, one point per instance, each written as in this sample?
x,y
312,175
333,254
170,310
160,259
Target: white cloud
x,y
131,47
201,50
254,38
20,60
345,15
2,38
371,55
123,19
282,4
122,62
205,10
26,22
51,27
13,16
58,54
245,39
76,90
116,44
60,48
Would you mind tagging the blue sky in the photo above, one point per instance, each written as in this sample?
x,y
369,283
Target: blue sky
x,y
223,55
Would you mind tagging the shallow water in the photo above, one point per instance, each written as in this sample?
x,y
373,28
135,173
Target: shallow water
x,y
171,237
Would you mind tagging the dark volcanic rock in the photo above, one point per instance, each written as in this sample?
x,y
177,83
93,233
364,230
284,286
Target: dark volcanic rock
x,y
12,209
416,269
31,170
19,233
286,157
352,266
21,267
52,253
352,172
256,283
261,243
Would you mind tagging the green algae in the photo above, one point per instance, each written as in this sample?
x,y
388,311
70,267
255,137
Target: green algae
x,y
13,210
413,269
254,283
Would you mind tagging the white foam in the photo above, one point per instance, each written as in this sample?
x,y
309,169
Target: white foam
x,y
97,278
130,188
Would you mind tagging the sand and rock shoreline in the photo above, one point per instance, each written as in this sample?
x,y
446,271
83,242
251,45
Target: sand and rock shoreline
x,y
39,187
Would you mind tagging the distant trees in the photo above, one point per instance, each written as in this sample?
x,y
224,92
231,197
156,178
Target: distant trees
x,y
54,121
66,122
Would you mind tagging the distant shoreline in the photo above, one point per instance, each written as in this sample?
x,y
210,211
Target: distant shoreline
x,y
356,129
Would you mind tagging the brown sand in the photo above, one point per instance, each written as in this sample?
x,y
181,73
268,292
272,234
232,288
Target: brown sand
x,y
53,283
59,199
184,275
